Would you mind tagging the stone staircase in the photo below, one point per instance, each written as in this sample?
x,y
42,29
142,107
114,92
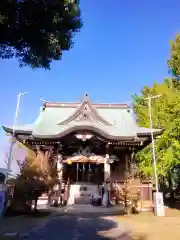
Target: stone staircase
x,y
80,193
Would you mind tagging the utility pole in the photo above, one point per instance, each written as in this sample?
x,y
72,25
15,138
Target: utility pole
x,y
4,193
152,140
13,135
158,197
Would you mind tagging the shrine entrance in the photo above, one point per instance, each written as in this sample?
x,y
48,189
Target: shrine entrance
x,y
85,176
84,172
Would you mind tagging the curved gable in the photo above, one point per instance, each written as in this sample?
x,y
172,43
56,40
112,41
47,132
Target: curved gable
x,y
86,112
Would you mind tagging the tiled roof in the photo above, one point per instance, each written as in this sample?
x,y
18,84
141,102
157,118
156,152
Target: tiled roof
x,y
113,121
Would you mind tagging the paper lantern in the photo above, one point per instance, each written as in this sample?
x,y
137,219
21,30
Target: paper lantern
x,y
69,162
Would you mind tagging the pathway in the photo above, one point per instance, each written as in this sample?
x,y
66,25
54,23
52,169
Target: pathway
x,y
77,228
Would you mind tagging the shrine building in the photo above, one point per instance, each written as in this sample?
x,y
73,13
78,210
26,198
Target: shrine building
x,y
90,143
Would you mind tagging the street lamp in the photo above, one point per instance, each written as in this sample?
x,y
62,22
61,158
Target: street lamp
x,y
13,134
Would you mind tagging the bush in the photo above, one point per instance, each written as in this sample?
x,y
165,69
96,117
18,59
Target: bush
x,y
131,196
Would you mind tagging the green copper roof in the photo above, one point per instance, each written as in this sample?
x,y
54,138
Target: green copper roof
x,y
110,121
49,119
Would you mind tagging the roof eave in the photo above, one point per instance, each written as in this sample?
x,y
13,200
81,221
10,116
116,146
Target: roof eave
x,y
155,133
92,129
17,131
107,137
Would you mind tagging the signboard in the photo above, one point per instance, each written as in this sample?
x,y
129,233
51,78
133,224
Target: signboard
x,y
158,204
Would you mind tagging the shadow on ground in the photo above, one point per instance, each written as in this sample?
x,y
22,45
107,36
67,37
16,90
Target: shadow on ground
x,y
82,228
77,224
35,214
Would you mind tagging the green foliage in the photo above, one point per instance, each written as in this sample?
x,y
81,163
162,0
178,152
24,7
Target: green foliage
x,y
36,177
37,32
29,184
29,188
174,61
166,115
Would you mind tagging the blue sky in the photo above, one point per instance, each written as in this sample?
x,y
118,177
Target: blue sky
x,y
123,46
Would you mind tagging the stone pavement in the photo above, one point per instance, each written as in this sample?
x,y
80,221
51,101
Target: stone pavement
x,y
81,209
80,222
73,222
79,228
85,222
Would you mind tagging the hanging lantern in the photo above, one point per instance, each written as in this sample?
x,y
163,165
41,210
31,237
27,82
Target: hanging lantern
x,y
89,169
69,162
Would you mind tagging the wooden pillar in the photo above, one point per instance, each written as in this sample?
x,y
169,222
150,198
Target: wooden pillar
x,y
127,162
60,173
126,174
133,166
107,168
131,161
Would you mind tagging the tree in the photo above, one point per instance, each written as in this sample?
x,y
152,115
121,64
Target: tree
x,y
166,115
37,32
165,111
36,176
131,195
174,61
